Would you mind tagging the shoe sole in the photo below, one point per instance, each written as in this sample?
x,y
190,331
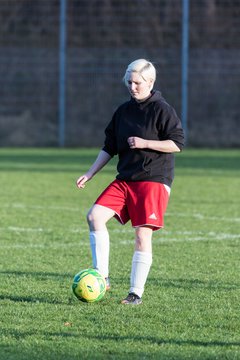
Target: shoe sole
x,y
124,302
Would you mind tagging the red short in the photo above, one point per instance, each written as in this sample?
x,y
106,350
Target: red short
x,y
142,202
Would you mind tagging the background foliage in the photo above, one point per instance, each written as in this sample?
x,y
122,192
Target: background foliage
x,y
102,37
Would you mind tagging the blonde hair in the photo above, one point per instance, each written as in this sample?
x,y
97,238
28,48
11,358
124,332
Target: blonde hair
x,y
143,67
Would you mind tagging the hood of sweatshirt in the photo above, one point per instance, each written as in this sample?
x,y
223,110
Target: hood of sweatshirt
x,y
155,96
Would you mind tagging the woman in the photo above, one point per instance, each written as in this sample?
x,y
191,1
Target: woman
x,y
144,132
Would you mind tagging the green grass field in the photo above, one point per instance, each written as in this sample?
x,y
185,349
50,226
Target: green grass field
x,y
191,302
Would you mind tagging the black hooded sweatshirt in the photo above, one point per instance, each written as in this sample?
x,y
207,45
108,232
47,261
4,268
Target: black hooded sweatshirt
x,y
153,119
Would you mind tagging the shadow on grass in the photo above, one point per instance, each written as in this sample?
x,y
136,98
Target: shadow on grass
x,y
31,299
37,274
215,162
71,333
48,162
192,284
161,341
181,283
45,160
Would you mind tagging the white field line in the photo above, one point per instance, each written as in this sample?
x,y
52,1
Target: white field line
x,y
40,207
43,246
121,230
197,216
23,229
167,237
203,217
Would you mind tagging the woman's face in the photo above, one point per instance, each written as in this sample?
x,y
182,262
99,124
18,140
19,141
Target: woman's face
x,y
139,88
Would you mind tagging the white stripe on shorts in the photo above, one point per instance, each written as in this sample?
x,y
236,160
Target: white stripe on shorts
x,y
167,188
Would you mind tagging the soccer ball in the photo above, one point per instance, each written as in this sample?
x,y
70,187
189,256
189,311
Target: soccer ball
x,y
89,285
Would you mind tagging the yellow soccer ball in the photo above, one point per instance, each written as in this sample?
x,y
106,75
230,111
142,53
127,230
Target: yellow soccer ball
x,y
89,285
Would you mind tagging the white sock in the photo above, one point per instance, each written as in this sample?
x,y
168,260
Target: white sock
x,y
141,263
99,242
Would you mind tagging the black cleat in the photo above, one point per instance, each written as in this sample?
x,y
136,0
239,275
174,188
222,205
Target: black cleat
x,y
132,299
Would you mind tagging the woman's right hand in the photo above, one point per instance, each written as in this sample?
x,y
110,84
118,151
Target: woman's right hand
x,y
81,181
102,159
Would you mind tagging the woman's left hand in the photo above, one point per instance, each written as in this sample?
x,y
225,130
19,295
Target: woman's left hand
x,y
137,142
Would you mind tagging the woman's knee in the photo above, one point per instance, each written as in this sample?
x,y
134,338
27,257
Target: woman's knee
x,y
98,216
91,217
143,239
